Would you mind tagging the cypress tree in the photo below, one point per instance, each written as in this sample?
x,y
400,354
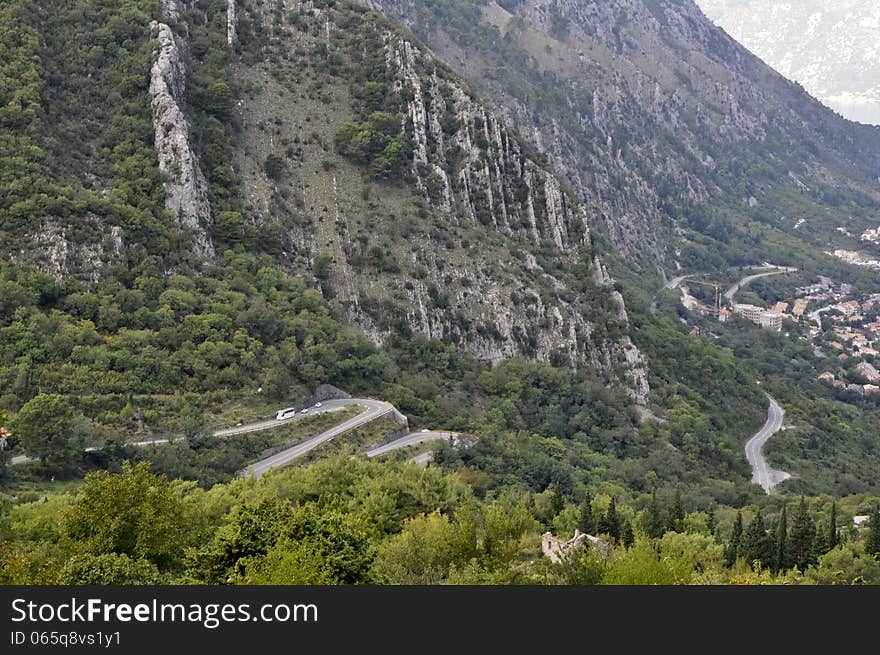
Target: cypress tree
x,y
654,519
781,561
801,537
872,545
676,514
735,544
613,520
610,523
832,527
711,525
627,538
756,544
820,543
557,499
770,547
585,519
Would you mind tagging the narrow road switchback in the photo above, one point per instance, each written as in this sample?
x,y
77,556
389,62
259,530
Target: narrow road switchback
x,y
373,409
762,474
409,440
777,270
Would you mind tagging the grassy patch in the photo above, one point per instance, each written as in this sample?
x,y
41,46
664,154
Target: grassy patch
x,y
309,426
23,486
354,442
245,409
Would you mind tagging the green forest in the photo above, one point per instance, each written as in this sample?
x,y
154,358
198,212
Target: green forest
x,y
345,521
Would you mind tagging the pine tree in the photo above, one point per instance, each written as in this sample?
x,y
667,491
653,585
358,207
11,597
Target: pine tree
x,y
676,514
781,561
801,537
653,520
735,545
833,539
872,545
585,518
756,544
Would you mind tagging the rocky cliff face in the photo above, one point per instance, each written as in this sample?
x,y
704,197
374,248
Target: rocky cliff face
x,y
474,240
56,252
231,21
433,217
186,191
655,116
493,182
170,10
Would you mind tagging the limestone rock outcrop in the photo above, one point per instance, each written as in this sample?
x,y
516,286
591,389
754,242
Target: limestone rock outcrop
x,y
231,22
186,190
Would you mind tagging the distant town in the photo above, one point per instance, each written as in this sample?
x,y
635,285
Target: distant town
x,y
843,326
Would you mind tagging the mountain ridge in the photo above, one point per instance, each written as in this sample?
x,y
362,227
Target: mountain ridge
x,y
659,121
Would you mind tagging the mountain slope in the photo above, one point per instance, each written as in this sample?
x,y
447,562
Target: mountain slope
x,y
224,195
724,143
680,142
238,181
271,129
690,153
476,241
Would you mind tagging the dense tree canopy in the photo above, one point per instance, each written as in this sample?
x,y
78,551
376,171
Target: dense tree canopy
x,y
350,521
47,429
134,513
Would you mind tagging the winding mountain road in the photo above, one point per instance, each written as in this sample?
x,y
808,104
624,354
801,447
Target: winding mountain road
x,y
674,282
409,440
762,474
374,409
777,270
